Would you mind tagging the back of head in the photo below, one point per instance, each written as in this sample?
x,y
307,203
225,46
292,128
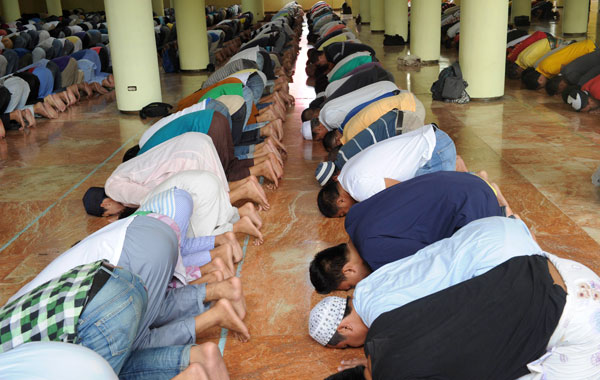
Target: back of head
x,y
313,55
530,78
552,85
512,70
329,141
327,200
131,153
307,114
326,268
92,200
321,83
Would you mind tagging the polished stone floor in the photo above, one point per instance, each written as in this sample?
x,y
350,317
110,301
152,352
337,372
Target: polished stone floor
x,y
540,153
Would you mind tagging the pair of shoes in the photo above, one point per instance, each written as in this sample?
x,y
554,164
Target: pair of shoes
x,y
395,40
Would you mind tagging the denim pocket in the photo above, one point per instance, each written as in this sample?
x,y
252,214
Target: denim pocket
x,y
119,326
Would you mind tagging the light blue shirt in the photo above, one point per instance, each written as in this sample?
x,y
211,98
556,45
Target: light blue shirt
x,y
473,250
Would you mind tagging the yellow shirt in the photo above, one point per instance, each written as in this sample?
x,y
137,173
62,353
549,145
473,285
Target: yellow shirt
x,y
532,53
551,66
339,38
404,101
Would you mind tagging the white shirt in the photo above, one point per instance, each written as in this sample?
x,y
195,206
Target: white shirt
x,y
397,158
167,119
131,181
473,250
106,243
332,115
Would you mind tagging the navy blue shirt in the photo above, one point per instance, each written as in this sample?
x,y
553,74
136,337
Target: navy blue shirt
x,y
404,218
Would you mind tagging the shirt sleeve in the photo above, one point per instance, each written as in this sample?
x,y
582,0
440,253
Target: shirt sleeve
x,y
193,245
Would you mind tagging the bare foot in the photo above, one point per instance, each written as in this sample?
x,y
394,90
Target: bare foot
x,y
483,174
501,200
29,117
250,190
229,319
345,364
230,239
245,226
231,290
54,101
267,170
98,88
222,260
249,210
208,278
17,116
2,130
460,164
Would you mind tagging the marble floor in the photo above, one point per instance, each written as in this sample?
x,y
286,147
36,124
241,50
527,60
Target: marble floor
x,y
540,153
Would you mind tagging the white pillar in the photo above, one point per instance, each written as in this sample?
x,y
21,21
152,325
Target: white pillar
x,y
482,51
575,17
133,53
396,18
158,6
365,11
191,34
377,16
425,29
520,8
11,10
54,7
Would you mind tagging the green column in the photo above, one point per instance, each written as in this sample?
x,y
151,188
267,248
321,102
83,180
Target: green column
x,y
425,29
158,6
133,53
396,18
520,8
365,11
54,7
575,17
11,10
482,51
254,6
191,34
377,16
356,7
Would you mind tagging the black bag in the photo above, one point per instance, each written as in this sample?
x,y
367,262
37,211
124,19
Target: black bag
x,y
450,84
155,109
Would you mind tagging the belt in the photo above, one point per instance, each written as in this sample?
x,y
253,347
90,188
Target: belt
x,y
100,279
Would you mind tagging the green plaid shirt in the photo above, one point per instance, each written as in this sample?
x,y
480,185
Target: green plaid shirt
x,y
49,312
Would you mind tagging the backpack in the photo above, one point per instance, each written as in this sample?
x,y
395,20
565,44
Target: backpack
x,y
155,109
450,84
170,58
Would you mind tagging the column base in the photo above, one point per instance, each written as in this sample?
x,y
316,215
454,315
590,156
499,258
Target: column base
x,y
130,112
195,71
575,34
378,31
492,99
431,62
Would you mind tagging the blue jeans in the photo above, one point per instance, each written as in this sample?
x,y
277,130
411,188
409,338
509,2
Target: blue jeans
x,y
156,363
242,152
109,323
443,157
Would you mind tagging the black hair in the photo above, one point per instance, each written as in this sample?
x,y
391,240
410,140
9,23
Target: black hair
x,y
312,38
332,156
128,211
305,114
567,91
326,268
552,85
337,337
317,103
131,153
530,78
321,83
313,55
329,141
327,199
512,70
314,122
